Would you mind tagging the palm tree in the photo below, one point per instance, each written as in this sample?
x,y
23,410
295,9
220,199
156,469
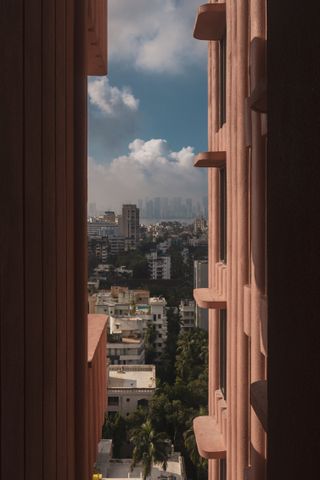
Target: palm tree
x,y
149,447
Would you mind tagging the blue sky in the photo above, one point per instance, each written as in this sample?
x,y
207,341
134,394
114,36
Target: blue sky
x,y
148,117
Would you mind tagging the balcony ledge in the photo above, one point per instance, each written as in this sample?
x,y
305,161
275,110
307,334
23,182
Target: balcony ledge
x,y
259,401
209,298
209,439
96,327
210,160
210,22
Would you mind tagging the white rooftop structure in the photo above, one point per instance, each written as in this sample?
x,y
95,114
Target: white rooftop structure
x,y
157,301
120,470
130,386
132,376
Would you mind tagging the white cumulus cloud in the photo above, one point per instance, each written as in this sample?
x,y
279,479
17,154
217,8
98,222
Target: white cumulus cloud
x,y
154,35
113,118
150,168
109,99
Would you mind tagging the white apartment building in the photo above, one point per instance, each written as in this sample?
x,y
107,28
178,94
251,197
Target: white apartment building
x,y
120,301
129,387
159,320
159,266
123,350
101,228
130,312
127,326
200,225
187,309
119,469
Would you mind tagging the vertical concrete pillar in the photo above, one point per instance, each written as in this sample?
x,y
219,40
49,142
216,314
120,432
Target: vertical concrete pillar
x,y
258,251
242,239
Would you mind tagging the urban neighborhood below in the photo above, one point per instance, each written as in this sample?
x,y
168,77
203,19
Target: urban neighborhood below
x,y
142,277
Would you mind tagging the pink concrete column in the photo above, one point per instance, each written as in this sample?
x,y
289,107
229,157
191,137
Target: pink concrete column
x,y
242,239
232,188
258,246
213,237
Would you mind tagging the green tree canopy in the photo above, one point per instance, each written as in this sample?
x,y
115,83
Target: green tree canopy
x,y
149,448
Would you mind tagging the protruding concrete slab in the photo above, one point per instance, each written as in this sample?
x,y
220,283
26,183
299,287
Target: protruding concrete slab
x,y
210,22
210,441
209,298
210,160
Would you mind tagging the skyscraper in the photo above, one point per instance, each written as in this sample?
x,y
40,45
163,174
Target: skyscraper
x,y
130,222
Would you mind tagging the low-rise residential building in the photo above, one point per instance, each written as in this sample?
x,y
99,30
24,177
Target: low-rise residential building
x,y
187,310
202,241
200,225
125,350
116,244
159,320
128,326
130,312
120,469
101,228
129,387
159,266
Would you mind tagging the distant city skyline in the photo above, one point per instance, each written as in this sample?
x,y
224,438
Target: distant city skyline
x,y
161,207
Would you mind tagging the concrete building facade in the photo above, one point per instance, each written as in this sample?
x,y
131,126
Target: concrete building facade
x,y
159,320
129,387
159,266
52,356
126,350
187,310
130,223
233,436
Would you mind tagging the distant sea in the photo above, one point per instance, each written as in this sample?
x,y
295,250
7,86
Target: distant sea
x,y
152,221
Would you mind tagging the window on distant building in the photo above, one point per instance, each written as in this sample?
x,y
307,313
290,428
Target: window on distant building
x,y
222,80
113,401
154,317
223,351
223,215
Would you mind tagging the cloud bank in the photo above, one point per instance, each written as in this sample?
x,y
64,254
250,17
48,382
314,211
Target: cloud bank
x,y
113,118
150,168
154,36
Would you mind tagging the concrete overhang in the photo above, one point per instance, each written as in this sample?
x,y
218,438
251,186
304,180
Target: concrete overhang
x,y
210,441
209,298
210,160
210,22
